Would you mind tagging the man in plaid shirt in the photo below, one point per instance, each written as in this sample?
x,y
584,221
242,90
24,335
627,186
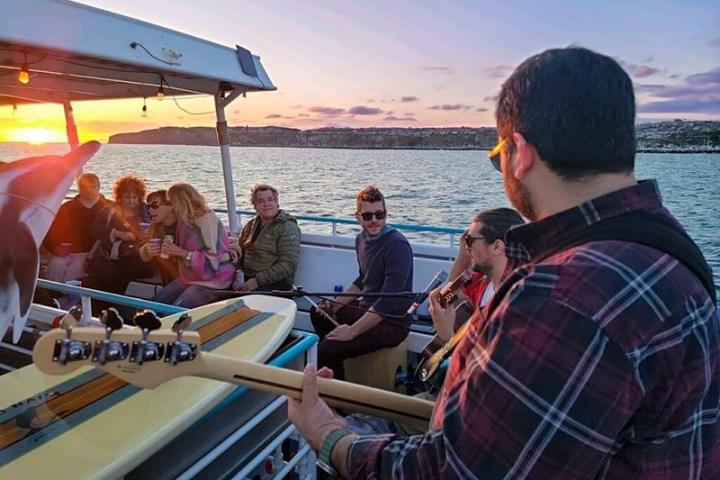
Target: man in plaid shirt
x,y
595,361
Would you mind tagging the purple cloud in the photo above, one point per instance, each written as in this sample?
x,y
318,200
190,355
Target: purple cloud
x,y
438,69
274,115
499,71
699,94
715,42
456,106
481,109
330,111
363,110
491,98
637,71
392,118
296,106
409,99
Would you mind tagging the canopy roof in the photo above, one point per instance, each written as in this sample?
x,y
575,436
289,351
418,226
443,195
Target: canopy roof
x,y
76,52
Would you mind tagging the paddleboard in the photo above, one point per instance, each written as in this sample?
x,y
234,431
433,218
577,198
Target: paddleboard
x,y
90,424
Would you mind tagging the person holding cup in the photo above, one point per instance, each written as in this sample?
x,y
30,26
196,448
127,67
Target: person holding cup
x,y
115,260
163,222
200,249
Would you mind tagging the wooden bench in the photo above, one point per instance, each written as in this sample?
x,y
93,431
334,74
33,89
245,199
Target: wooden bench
x,y
377,369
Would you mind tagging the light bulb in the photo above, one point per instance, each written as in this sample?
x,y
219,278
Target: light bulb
x,y
161,93
24,75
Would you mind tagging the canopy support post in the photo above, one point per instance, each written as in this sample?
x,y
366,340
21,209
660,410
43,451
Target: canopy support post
x,y
224,142
70,127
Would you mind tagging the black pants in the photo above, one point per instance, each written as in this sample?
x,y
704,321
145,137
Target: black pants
x,y
332,353
114,276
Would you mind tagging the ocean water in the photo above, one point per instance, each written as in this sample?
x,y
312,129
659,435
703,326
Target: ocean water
x,y
431,187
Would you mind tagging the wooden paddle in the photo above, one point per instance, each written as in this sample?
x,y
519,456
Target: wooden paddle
x,y
149,358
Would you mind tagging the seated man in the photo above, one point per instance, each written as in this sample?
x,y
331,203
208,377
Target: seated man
x,y
270,244
386,265
70,237
482,248
163,221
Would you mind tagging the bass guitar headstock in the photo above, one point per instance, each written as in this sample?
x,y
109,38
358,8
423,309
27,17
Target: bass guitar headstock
x,y
143,355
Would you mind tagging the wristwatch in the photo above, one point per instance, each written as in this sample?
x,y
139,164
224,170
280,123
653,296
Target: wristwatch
x,y
188,257
324,460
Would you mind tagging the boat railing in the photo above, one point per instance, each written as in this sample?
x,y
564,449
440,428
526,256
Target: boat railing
x,y
87,293
334,222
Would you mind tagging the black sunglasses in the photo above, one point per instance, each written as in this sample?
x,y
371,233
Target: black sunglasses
x,y
495,154
470,240
367,216
155,205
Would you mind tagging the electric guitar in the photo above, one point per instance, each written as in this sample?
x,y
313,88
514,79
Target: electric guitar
x,y
436,350
146,356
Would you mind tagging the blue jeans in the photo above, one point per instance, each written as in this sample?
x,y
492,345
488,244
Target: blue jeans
x,y
183,295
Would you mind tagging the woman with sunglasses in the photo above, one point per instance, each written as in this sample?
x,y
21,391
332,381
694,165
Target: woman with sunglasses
x,y
163,221
200,251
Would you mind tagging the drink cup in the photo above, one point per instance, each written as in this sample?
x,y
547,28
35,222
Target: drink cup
x,y
144,226
156,242
73,298
166,239
239,279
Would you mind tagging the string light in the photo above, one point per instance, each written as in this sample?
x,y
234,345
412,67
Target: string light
x,y
161,90
144,108
14,108
24,73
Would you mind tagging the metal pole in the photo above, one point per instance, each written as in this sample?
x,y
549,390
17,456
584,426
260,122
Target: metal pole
x,y
70,126
224,142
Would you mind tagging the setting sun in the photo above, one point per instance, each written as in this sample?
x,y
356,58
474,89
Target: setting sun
x,y
37,135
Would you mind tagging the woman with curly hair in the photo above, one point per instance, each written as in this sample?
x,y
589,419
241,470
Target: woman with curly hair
x,y
201,250
114,260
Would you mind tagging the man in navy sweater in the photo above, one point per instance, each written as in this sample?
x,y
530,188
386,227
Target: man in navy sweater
x,y
385,262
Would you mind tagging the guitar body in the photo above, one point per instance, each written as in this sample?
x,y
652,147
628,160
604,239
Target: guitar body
x,y
90,424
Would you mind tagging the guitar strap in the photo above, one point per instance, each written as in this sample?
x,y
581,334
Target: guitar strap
x,y
638,227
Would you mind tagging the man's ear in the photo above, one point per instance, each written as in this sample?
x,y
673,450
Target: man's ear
x,y
524,158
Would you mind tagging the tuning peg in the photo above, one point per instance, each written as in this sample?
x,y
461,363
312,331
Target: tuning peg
x,y
112,319
147,320
182,323
71,318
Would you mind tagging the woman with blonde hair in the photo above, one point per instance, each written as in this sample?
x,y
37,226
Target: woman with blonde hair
x,y
200,249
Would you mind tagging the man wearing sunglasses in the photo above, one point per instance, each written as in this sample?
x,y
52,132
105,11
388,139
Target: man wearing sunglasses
x,y
386,265
482,247
598,356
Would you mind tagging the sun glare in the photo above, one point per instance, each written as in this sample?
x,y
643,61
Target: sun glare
x,y
37,135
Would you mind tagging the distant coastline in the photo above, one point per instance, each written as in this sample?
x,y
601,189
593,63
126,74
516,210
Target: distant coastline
x,y
663,137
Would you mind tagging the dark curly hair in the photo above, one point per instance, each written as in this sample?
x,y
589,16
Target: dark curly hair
x,y
129,183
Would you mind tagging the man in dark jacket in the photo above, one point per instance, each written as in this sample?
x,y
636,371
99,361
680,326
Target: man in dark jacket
x,y
70,239
386,265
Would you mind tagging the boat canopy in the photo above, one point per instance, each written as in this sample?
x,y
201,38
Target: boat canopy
x,y
58,51
77,52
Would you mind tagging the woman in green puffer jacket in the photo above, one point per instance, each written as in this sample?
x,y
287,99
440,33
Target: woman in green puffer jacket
x,y
270,244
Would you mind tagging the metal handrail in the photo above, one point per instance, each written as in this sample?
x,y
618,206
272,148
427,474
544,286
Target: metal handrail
x,y
348,221
157,307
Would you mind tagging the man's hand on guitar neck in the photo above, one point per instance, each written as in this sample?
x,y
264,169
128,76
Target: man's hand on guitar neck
x,y
314,419
443,318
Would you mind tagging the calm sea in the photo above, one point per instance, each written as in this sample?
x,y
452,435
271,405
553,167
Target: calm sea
x,y
432,187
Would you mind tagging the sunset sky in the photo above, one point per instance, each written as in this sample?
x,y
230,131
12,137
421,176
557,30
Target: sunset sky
x,y
408,63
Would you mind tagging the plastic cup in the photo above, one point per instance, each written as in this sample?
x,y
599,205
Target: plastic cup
x,y
73,298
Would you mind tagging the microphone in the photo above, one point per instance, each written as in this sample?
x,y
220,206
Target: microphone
x,y
437,280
